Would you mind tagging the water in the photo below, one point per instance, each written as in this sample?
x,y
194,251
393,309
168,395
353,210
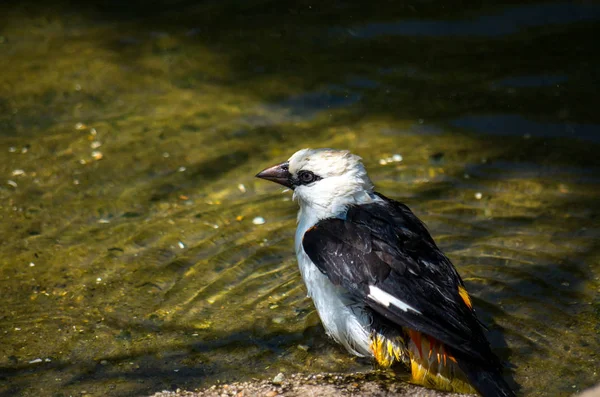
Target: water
x,y
130,135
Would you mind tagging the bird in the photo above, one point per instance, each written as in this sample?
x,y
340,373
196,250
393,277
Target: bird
x,y
381,286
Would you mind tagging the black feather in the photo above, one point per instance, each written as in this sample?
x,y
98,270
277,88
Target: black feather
x,y
384,244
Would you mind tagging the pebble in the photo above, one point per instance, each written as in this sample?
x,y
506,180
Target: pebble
x,y
259,220
478,195
37,360
18,172
242,188
97,155
278,379
12,183
396,158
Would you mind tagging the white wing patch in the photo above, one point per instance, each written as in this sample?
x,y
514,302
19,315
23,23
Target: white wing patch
x,y
384,298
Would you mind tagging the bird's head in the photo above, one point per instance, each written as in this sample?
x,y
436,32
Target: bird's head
x,y
325,179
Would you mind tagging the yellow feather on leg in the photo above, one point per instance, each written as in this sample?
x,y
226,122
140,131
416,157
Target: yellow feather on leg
x,y
430,364
387,351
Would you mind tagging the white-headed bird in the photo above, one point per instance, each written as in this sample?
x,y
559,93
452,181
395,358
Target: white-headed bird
x,y
381,286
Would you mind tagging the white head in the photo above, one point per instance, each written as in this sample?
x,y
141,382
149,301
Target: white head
x,y
327,180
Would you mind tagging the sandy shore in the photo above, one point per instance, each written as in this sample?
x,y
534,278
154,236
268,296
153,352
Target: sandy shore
x,y
326,385
374,384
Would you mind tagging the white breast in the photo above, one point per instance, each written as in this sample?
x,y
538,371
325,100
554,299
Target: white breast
x,y
344,320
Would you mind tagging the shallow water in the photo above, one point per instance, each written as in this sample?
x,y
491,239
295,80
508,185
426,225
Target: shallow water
x,y
130,135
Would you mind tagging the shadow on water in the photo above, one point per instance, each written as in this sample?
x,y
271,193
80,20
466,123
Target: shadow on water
x,y
139,255
426,70
150,370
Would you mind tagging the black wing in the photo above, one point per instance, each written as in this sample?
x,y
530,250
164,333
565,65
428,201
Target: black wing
x,y
385,246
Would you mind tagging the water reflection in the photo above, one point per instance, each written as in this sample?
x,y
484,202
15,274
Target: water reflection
x,y
309,105
493,23
531,81
517,125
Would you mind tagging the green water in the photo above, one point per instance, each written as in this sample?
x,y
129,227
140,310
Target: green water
x,y
130,135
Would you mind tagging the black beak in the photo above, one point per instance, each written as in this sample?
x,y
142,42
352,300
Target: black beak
x,y
279,173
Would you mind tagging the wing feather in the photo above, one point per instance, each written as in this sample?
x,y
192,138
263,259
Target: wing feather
x,y
384,247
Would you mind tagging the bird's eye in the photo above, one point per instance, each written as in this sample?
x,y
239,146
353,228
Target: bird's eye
x,y
306,177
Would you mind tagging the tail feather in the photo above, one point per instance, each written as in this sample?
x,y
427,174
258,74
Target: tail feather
x,y
435,365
